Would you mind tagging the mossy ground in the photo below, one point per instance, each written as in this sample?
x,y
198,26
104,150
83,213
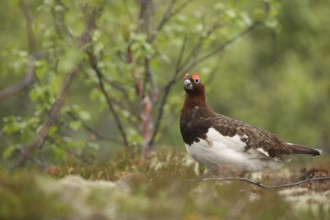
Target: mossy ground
x,y
160,188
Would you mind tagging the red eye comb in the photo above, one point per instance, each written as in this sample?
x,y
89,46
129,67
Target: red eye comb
x,y
195,76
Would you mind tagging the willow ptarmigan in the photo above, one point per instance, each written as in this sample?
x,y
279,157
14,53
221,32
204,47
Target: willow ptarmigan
x,y
218,141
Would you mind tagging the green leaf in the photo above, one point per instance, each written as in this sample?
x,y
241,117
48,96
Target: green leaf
x,y
84,115
94,145
41,69
75,125
8,152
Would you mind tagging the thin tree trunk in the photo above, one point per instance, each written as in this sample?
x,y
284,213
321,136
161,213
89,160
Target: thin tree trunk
x,y
147,126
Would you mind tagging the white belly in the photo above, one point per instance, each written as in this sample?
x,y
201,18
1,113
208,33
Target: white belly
x,y
218,150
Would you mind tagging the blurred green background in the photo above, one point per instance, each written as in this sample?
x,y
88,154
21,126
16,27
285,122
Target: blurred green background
x,y
276,77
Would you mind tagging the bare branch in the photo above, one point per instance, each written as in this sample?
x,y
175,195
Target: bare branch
x,y
91,14
221,47
168,14
181,7
116,85
93,131
28,80
100,77
30,34
181,54
196,49
149,78
135,74
167,90
145,16
59,20
59,146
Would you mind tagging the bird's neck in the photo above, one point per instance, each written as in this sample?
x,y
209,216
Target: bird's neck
x,y
192,101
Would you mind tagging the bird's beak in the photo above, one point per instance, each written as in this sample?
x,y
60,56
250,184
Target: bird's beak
x,y
187,84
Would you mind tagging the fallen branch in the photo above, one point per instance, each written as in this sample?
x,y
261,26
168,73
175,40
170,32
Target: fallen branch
x,y
301,182
259,184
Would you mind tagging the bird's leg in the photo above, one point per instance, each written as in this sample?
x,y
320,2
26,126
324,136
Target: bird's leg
x,y
207,173
229,171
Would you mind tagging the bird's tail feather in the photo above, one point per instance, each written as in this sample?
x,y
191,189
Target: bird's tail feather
x,y
300,149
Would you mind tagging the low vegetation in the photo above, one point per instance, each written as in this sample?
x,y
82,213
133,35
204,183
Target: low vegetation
x,y
166,187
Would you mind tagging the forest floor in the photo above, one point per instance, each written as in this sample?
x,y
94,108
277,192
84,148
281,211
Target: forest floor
x,y
168,186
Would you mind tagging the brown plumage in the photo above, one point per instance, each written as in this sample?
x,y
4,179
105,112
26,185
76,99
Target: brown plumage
x,y
197,119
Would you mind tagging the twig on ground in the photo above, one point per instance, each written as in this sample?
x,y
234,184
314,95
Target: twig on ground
x,y
301,182
259,184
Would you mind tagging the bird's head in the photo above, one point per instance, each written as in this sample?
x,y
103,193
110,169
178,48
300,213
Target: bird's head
x,y
193,85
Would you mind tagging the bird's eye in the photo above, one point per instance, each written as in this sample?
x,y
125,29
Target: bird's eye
x,y
196,80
